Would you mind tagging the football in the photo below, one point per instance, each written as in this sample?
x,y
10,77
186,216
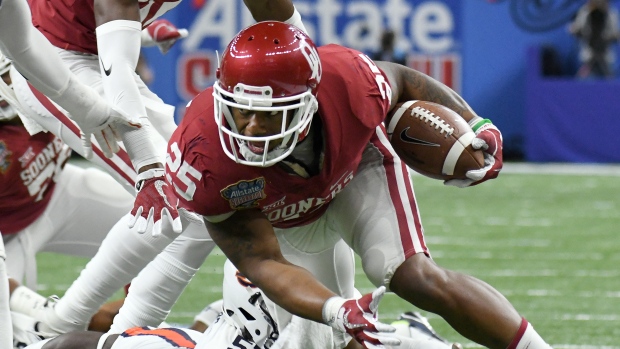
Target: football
x,y
433,140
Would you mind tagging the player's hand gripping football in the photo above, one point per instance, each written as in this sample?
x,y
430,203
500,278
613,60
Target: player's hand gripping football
x,y
105,131
163,34
489,140
358,318
156,204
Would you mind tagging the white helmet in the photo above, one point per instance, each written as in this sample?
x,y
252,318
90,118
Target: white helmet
x,y
269,66
7,111
245,306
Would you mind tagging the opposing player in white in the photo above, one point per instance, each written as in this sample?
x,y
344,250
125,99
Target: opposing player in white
x,y
248,320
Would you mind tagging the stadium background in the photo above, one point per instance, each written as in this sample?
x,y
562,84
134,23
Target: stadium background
x,y
544,236
484,49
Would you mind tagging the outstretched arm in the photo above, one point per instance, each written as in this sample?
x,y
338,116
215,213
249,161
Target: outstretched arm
x,y
248,240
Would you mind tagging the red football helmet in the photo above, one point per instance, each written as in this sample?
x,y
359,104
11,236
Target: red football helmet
x,y
269,66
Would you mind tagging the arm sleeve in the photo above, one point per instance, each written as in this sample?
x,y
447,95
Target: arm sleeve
x,y
118,43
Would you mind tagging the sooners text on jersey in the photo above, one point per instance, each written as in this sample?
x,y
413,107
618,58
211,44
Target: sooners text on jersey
x,y
28,167
352,103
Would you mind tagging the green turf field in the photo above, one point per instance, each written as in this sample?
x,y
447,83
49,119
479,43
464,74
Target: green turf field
x,y
549,242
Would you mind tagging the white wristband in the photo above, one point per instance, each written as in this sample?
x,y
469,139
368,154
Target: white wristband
x,y
331,310
296,21
148,174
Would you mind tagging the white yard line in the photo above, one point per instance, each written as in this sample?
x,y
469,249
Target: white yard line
x,y
562,168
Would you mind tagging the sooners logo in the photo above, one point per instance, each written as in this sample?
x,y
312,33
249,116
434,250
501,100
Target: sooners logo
x,y
313,59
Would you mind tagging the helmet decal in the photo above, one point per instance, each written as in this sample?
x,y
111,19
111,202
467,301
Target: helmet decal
x,y
312,56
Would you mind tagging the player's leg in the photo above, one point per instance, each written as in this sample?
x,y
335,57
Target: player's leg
x,y
155,290
122,255
381,221
85,205
91,203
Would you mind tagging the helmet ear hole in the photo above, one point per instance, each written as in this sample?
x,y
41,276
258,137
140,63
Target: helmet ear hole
x,y
247,315
276,41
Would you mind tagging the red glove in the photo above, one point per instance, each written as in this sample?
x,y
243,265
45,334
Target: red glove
x,y
489,139
163,34
359,319
156,205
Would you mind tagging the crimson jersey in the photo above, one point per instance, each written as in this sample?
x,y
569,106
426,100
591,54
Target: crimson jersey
x,y
70,24
28,166
353,101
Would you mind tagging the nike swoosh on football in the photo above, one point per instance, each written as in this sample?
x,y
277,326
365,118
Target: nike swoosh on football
x,y
106,71
406,138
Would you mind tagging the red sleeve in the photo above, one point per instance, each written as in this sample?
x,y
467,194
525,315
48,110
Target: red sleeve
x,y
353,73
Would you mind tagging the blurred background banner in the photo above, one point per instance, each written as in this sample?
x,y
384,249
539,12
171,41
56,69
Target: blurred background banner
x,y
477,47
429,31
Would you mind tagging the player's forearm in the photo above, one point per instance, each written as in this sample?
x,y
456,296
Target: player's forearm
x,y
274,10
414,85
118,43
291,287
110,10
140,148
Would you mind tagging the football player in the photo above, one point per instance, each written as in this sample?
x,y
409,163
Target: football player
x,y
287,156
47,204
103,55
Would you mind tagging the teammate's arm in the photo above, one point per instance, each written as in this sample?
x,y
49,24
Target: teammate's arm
x,y
110,10
409,84
274,10
119,33
249,241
